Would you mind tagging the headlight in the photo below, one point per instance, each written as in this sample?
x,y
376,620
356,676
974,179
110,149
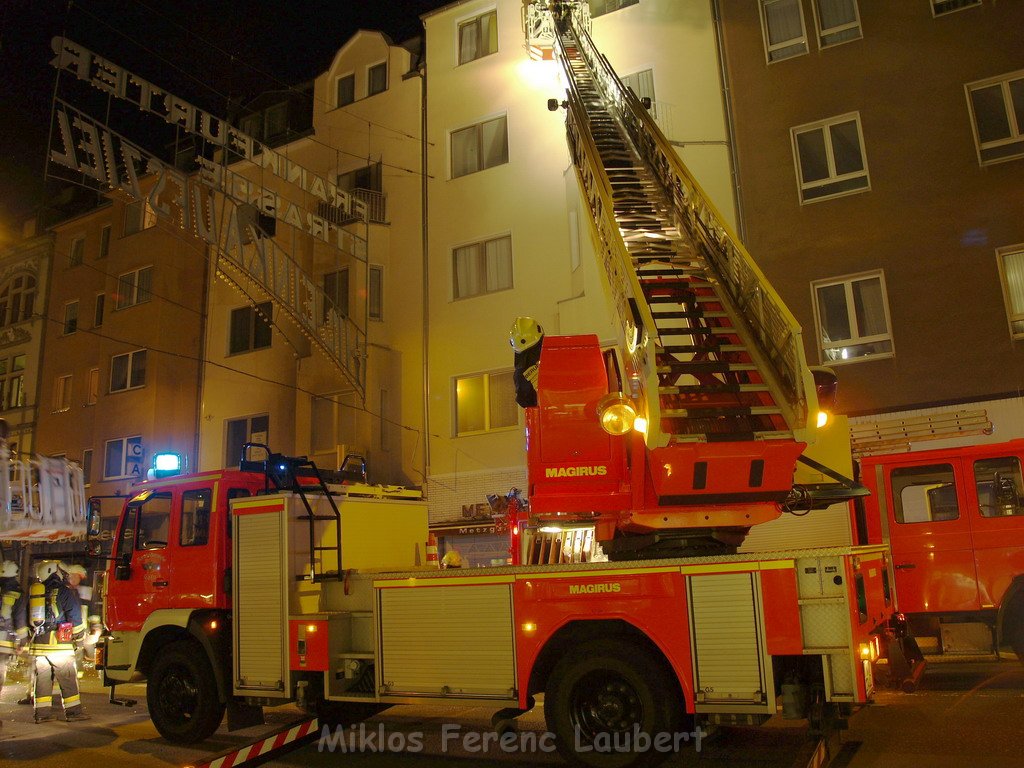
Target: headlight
x,y
616,414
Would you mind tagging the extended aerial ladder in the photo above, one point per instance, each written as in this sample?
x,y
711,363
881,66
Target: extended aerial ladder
x,y
712,359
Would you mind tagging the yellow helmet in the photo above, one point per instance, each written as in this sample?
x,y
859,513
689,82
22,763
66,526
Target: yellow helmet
x,y
524,334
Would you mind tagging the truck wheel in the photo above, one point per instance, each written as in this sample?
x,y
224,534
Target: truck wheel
x,y
605,693
182,694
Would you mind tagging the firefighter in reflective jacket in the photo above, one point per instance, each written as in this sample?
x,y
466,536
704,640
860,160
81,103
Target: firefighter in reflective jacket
x,y
12,604
526,338
55,625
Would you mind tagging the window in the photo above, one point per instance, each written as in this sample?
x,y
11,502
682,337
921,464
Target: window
x,y
999,486
104,242
377,79
782,22
375,286
17,299
87,466
138,216
134,288
601,7
830,158
483,267
70,317
1011,274
346,90
485,402
336,292
925,494
154,521
195,517
479,146
123,458
128,371
478,37
853,318
838,21
275,121
368,177
77,254
97,314
93,387
324,424
250,328
250,429
12,382
941,7
62,394
997,114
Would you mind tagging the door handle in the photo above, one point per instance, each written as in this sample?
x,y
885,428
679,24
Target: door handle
x,y
164,583
900,566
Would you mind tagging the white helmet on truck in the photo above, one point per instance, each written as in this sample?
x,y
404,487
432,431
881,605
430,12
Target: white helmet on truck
x,y
8,569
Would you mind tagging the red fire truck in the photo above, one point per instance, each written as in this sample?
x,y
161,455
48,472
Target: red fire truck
x,y
245,588
954,519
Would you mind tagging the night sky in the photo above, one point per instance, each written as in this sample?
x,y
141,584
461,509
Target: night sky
x,y
202,50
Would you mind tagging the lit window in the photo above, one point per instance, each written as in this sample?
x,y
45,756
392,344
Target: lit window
x,y
782,22
250,429
17,299
104,241
830,158
77,254
62,394
941,7
479,146
483,267
997,115
377,79
485,402
70,317
838,21
1011,274
852,316
134,287
478,37
123,458
375,302
346,91
138,216
601,7
93,393
250,328
12,382
128,371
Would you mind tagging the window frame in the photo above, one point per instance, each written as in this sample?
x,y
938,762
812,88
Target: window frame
x,y
477,20
12,379
62,390
482,244
76,253
98,309
370,68
938,14
129,358
375,295
486,376
1014,122
350,77
92,390
822,45
937,469
17,302
133,291
1004,282
105,235
766,37
478,128
257,314
70,325
228,461
146,217
847,281
185,496
833,178
126,444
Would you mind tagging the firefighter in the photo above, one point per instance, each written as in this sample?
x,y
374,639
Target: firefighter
x,y
75,574
54,622
451,559
11,605
526,338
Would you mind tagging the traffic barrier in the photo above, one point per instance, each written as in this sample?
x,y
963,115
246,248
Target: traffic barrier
x,y
432,551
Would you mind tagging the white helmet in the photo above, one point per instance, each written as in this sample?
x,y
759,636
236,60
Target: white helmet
x,y
525,332
46,569
74,569
8,569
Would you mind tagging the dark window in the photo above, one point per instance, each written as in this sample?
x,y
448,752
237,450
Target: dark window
x,y
367,177
77,255
235,493
249,429
195,517
336,292
97,317
377,79
601,7
104,241
346,90
128,371
17,299
70,317
479,146
478,37
999,486
250,328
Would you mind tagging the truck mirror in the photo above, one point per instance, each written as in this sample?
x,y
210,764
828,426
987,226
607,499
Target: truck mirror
x,y
94,522
94,548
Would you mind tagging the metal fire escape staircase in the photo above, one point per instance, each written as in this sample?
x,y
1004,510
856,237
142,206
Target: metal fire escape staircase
x,y
713,354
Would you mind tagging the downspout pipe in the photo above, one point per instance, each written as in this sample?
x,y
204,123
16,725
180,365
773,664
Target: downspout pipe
x,y
424,246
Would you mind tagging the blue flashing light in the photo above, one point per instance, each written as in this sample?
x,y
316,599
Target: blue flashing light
x,y
165,464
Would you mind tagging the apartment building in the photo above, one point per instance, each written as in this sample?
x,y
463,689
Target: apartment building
x,y
880,151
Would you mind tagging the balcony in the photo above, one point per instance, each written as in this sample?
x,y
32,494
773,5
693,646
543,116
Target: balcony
x,y
376,208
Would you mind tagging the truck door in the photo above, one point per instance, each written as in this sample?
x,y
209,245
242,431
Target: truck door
x,y
194,564
930,535
139,583
997,520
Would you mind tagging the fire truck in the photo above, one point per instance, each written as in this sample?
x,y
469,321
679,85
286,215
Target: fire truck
x,y
954,520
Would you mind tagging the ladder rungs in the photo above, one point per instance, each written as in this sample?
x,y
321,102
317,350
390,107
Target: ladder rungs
x,y
680,366
711,389
715,412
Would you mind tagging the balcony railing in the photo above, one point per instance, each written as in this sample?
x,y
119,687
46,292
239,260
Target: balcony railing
x,y
376,208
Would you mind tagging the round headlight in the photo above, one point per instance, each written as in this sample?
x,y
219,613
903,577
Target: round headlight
x,y
616,414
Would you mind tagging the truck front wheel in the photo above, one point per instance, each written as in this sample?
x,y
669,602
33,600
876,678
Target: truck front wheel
x,y
610,704
182,694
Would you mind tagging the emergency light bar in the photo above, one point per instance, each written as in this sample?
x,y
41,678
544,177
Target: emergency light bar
x,y
165,465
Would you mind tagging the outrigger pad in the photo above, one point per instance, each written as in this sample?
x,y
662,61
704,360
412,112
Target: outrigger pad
x,y
241,715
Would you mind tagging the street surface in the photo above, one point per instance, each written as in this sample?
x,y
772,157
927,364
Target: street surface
x,y
963,714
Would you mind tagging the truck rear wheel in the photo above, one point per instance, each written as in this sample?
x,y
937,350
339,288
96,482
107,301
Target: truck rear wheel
x,y
609,702
182,694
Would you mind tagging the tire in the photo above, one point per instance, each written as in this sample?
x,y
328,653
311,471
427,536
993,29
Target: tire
x,y
182,696
608,690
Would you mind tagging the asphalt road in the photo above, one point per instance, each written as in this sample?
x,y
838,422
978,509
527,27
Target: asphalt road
x,y
963,715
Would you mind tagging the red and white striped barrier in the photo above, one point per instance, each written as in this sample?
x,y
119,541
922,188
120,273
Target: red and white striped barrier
x,y
263,747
